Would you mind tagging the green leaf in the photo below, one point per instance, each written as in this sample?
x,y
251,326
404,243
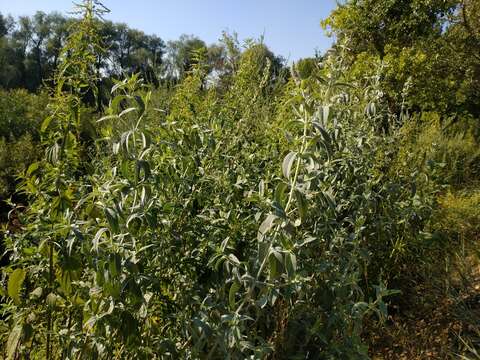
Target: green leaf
x,y
108,117
13,341
302,204
261,188
287,163
263,248
290,264
140,103
51,299
37,293
15,283
116,101
96,238
266,226
279,195
274,265
233,259
231,294
325,113
112,219
32,168
46,123
126,111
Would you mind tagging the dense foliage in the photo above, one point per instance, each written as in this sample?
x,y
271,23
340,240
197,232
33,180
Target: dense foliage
x,y
249,211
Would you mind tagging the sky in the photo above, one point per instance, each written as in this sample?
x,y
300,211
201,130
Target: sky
x,y
291,28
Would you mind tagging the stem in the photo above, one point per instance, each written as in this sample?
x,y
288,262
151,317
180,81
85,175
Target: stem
x,y
297,167
49,313
293,184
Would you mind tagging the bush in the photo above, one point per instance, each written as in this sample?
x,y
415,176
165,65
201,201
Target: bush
x,y
257,221
21,114
459,214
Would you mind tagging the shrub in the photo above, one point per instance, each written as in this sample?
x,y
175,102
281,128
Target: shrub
x,y
203,232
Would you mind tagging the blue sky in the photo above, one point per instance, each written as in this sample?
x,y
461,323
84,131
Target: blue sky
x,y
291,27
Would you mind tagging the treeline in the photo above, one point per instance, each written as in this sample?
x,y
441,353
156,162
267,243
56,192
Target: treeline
x,y
30,52
30,48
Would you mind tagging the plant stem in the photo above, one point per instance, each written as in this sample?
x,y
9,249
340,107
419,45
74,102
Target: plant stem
x,y
49,313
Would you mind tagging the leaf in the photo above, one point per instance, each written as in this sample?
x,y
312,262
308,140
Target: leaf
x,y
328,196
263,248
287,163
261,188
90,323
279,195
231,294
326,112
96,239
116,101
46,123
13,341
112,219
32,168
108,117
274,265
146,140
302,204
64,278
266,226
37,293
140,103
142,165
126,111
233,259
262,301
15,283
117,86
51,299
290,264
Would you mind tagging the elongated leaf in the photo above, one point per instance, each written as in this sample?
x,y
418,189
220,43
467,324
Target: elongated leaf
x,y
231,294
108,117
96,239
290,264
325,113
112,219
233,259
287,163
13,341
15,284
32,168
140,103
266,226
279,195
126,111
302,204
46,123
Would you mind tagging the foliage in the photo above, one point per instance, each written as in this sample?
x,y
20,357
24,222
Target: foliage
x,y
246,212
30,50
20,117
459,214
429,44
452,146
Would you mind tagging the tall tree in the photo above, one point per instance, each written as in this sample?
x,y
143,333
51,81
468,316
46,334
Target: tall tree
x,y
430,47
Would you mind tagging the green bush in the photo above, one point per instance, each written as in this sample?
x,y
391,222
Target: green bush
x,y
259,220
21,113
459,214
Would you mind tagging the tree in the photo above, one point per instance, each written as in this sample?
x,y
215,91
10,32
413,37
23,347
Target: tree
x,y
30,50
429,47
180,54
372,24
3,26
